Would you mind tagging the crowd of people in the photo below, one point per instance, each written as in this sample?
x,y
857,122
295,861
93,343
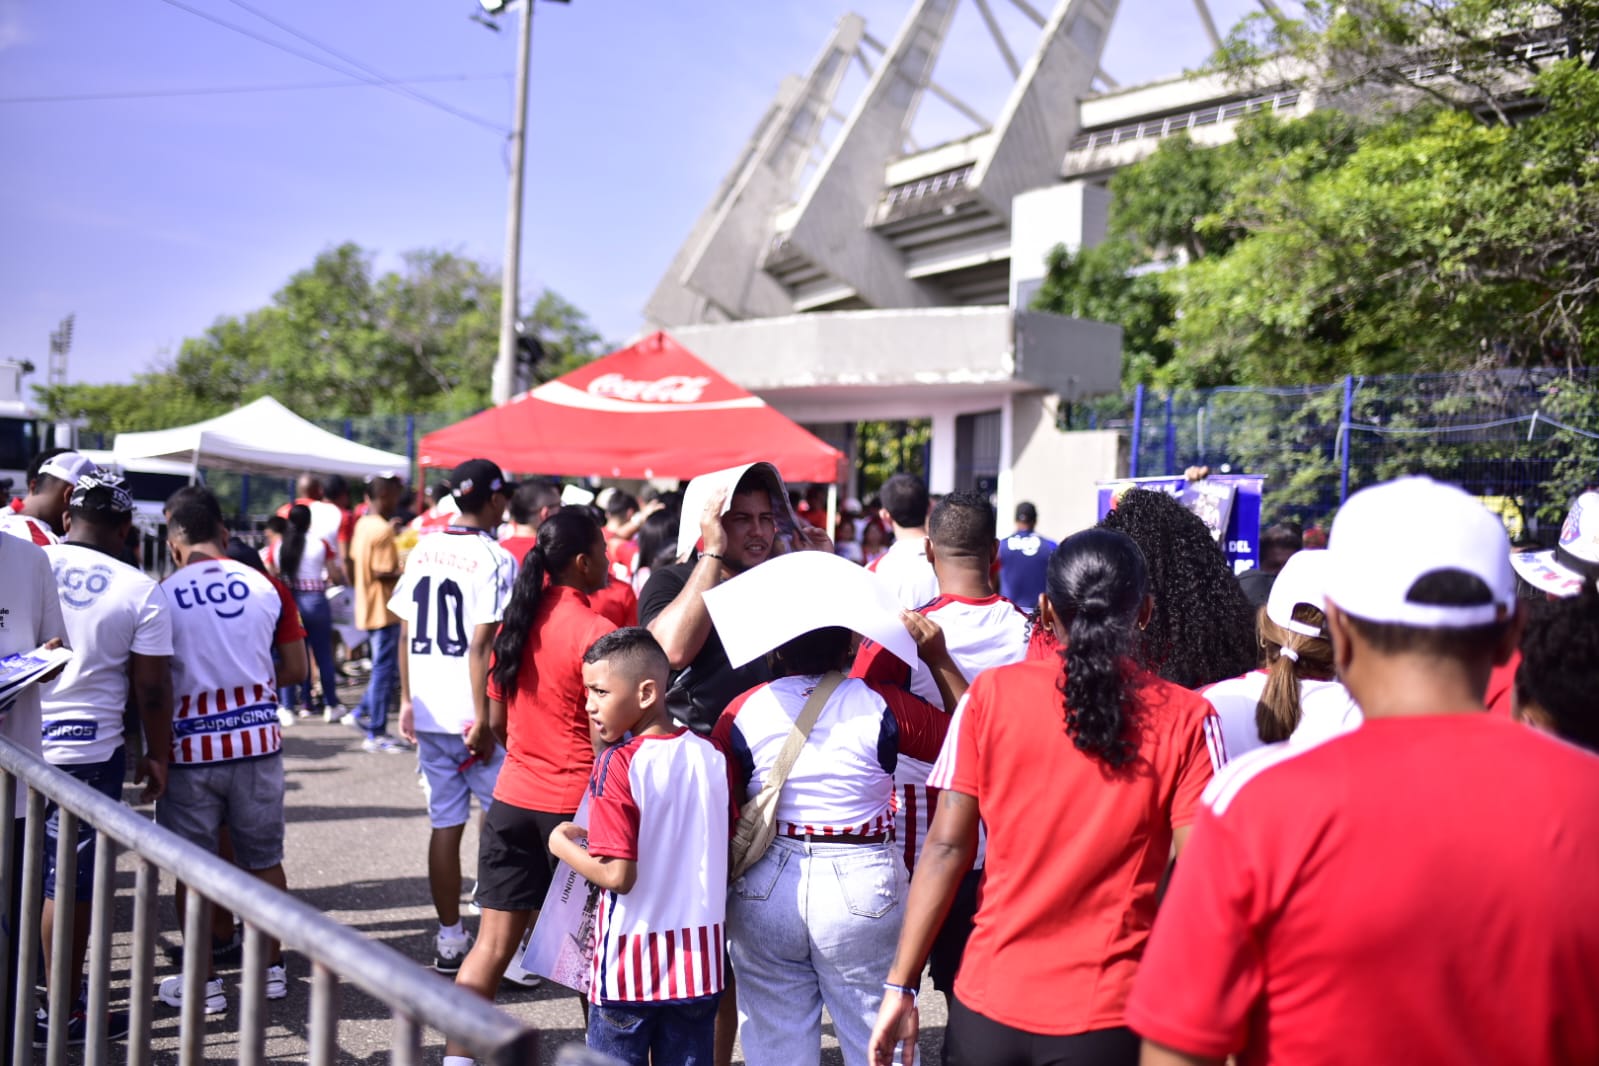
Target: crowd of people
x,y
1118,804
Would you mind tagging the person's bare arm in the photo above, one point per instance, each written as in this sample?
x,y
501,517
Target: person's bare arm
x,y
616,875
951,846
293,665
499,722
407,711
151,678
932,650
479,655
1156,1055
685,624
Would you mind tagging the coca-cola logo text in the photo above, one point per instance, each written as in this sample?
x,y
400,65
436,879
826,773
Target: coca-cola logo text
x,y
678,388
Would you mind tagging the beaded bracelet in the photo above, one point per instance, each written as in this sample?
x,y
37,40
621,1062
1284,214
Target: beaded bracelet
x,y
710,555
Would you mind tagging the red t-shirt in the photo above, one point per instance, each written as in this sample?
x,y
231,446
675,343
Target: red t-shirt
x,y
1418,890
519,547
548,753
618,602
1075,852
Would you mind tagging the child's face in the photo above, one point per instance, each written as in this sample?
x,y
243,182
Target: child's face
x,y
613,703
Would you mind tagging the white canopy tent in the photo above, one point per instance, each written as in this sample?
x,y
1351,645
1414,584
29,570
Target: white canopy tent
x,y
262,437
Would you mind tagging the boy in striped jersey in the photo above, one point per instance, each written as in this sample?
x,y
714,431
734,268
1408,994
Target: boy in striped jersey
x,y
657,847
227,761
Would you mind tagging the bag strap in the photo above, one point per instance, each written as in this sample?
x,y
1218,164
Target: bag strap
x,y
802,730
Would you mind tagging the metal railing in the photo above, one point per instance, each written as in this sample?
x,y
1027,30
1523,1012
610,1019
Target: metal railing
x,y
416,997
1088,140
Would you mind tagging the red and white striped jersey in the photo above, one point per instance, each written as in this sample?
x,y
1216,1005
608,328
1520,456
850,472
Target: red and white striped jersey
x,y
226,619
30,529
980,635
660,801
843,780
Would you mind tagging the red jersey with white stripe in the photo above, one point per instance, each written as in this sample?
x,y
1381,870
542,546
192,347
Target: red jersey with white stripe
x,y
980,635
226,619
1075,850
1418,890
843,780
661,801
29,528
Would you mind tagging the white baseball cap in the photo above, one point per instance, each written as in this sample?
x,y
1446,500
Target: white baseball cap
x,y
69,467
1390,536
1565,569
1303,579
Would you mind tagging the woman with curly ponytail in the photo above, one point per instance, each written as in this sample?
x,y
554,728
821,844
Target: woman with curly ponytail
x,y
1296,695
1086,769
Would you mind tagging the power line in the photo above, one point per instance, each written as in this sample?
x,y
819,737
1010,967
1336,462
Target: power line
x,y
362,74
221,90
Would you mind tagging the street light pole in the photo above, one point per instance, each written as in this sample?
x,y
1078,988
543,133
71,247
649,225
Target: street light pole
x,y
505,362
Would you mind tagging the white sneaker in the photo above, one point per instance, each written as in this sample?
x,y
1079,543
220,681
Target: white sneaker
x,y
286,716
277,982
170,992
449,951
333,714
515,975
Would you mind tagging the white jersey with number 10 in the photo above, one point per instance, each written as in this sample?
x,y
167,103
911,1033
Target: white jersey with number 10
x,y
455,580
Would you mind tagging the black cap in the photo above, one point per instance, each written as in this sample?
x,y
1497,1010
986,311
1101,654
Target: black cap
x,y
1026,512
103,492
475,480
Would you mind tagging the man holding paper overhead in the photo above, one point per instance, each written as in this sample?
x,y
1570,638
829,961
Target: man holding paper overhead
x,y
736,516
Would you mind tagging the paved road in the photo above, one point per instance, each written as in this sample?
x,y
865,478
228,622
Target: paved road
x,y
356,850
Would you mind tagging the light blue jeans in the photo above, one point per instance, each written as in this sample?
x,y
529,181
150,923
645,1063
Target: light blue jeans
x,y
812,925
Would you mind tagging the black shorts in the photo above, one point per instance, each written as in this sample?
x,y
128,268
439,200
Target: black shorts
x,y
974,1040
950,944
514,864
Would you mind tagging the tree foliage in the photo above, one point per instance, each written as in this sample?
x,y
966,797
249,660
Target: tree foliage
x,y
1455,226
340,340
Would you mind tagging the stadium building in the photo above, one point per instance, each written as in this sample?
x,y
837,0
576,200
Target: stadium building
x,y
846,274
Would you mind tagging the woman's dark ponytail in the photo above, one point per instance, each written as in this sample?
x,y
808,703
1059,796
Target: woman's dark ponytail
x,y
565,535
1096,585
292,549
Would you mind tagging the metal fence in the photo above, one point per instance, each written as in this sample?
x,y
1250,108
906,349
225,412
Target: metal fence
x,y
1526,438
337,954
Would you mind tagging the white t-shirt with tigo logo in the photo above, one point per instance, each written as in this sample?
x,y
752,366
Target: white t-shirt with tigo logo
x,y
455,580
226,619
111,611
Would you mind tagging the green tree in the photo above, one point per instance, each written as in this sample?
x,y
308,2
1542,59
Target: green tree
x,y
339,340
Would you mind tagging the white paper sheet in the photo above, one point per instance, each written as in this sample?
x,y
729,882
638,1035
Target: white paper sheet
x,y
25,667
699,492
766,607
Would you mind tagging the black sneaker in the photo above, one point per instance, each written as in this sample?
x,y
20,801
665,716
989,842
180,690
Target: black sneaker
x,y
229,952
449,952
78,1026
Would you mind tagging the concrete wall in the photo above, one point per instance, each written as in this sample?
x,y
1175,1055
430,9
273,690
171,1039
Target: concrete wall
x,y
1073,213
1056,471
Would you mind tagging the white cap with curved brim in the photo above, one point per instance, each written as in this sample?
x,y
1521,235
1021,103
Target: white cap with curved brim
x,y
701,489
1563,570
1389,537
1303,579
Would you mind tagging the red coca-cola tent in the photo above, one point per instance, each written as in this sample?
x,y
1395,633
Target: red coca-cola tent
x,y
649,410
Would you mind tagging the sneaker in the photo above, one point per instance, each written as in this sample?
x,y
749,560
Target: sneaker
x,y
385,744
303,712
519,977
357,720
277,982
450,951
286,716
78,1026
171,993
332,714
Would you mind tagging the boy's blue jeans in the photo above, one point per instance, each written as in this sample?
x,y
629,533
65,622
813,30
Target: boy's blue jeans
x,y
662,1034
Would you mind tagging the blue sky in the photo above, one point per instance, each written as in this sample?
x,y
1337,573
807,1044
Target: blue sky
x,y
151,216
